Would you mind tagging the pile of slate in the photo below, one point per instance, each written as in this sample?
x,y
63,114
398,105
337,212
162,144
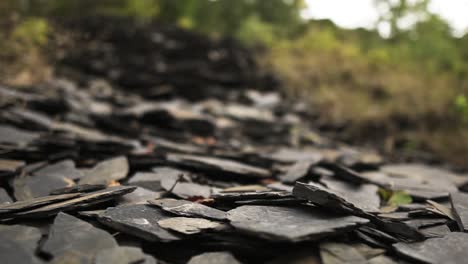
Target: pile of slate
x,y
94,174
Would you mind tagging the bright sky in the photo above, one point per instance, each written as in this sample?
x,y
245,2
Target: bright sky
x,y
362,13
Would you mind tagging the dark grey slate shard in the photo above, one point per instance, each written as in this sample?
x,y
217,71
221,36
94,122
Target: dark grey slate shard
x,y
14,252
290,155
363,196
147,180
106,172
27,236
186,189
378,234
211,164
214,258
450,249
242,196
69,233
346,174
290,223
18,137
28,187
81,188
299,170
65,168
120,255
435,231
188,225
335,253
7,165
395,216
425,222
139,196
138,220
352,199
460,208
83,201
36,202
190,209
280,201
4,197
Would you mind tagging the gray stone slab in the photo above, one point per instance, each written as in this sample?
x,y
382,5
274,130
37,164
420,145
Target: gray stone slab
x,y
27,236
290,223
214,258
211,164
190,209
460,207
299,170
138,220
69,233
188,225
450,249
106,172
65,168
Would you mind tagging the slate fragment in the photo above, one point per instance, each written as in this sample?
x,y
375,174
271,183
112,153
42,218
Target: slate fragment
x,y
13,252
16,137
35,202
450,249
334,253
214,258
28,187
4,197
361,198
139,196
147,180
290,223
216,165
242,196
123,255
65,168
460,207
299,170
107,171
189,209
80,188
80,202
138,220
187,225
70,234
10,166
28,237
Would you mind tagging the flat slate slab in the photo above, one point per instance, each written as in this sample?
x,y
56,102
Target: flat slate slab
x,y
190,209
290,223
450,249
123,255
299,170
138,220
35,202
28,187
82,201
460,207
13,252
27,236
214,258
211,164
361,198
188,225
106,172
70,234
65,168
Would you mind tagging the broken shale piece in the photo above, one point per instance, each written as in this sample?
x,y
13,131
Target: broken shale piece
x,y
27,236
107,171
290,223
450,249
189,209
187,225
217,165
35,202
214,258
83,201
13,252
123,255
299,170
460,207
357,199
70,234
138,220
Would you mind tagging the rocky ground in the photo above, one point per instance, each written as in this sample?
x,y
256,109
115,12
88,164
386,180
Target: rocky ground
x,y
155,145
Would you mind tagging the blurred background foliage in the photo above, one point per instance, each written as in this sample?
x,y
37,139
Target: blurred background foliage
x,y
407,90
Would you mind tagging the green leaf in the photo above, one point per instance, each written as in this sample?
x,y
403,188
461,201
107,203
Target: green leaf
x,y
400,198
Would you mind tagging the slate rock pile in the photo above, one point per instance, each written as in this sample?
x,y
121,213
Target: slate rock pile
x,y
90,174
